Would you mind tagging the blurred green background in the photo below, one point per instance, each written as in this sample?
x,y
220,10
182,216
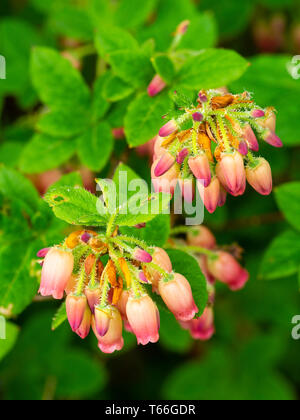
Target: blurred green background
x,y
252,355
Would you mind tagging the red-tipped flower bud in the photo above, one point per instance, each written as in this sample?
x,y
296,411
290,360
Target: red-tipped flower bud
x,y
157,85
84,329
258,113
177,295
199,166
168,129
187,189
210,195
141,255
203,328
166,161
251,138
226,269
102,319
231,173
113,339
76,306
93,295
168,181
161,258
182,155
201,237
260,177
271,138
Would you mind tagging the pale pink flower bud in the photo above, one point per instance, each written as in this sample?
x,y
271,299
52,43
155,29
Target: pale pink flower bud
x,y
258,113
243,148
201,237
210,195
187,189
168,181
260,177
43,252
158,149
141,255
182,155
140,226
177,295
203,328
166,161
113,339
203,98
199,166
183,27
142,277
93,295
203,265
143,317
168,129
269,122
84,329
271,138
102,320
122,302
222,197
157,85
231,173
226,269
76,306
251,138
56,272
161,258
118,133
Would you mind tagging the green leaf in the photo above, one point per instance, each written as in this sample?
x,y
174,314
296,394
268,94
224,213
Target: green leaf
x,y
58,84
115,89
60,317
122,178
211,69
273,85
164,66
77,206
43,153
172,336
95,146
18,285
73,23
282,257
188,266
132,66
144,118
10,152
99,105
63,122
202,33
134,12
140,208
110,39
288,200
11,335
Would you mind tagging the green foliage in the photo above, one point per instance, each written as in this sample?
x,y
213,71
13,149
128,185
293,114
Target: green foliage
x,y
188,266
60,317
288,199
11,335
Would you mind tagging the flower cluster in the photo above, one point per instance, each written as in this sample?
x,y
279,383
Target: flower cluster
x,y
213,143
217,264
105,278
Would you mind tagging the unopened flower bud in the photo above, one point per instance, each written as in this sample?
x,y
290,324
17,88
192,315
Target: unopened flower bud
x,y
260,177
269,121
140,226
231,173
142,277
271,138
167,182
250,138
210,195
226,269
118,133
243,148
168,129
203,98
156,86
143,317
198,117
177,295
56,272
158,149
113,339
201,237
121,305
93,294
203,328
182,155
85,237
102,319
258,113
187,189
166,161
183,27
199,166
85,326
76,306
161,258
222,197
141,255
43,252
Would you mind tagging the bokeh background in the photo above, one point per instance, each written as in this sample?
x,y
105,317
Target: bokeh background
x,y
252,355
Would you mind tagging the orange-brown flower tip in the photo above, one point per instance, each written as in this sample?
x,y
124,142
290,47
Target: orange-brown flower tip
x,y
201,237
177,295
260,177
